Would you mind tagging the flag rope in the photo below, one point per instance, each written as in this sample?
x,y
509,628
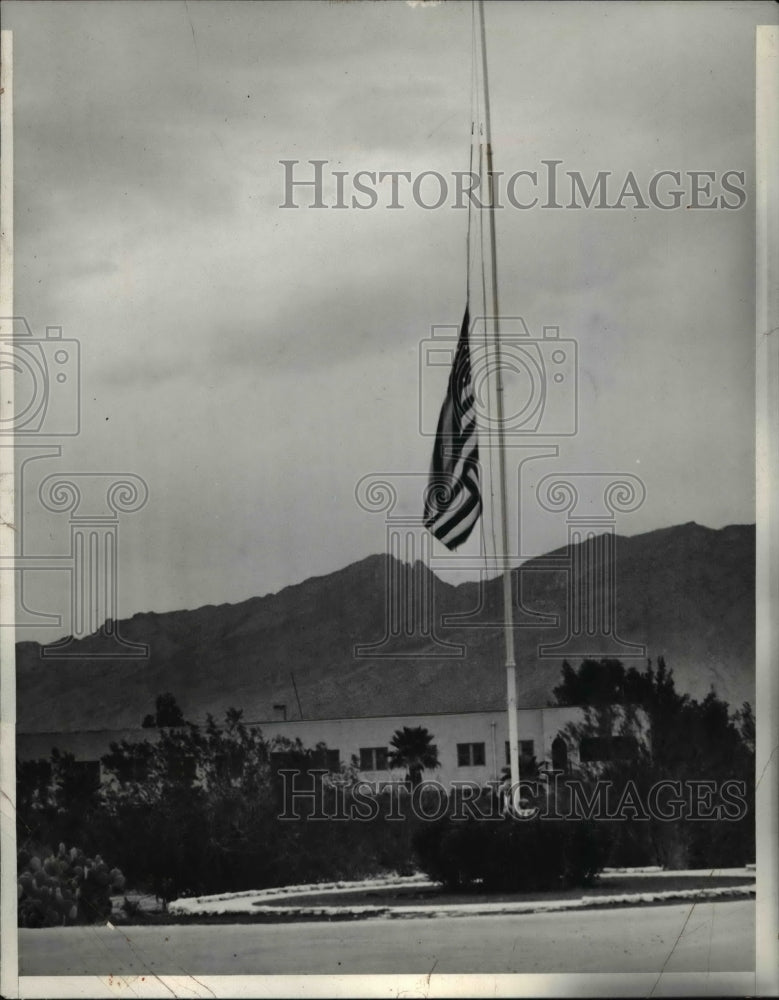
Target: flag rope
x,y
453,500
477,135
508,623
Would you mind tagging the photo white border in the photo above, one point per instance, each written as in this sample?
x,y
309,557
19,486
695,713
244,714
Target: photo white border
x,y
765,980
9,958
604,984
767,512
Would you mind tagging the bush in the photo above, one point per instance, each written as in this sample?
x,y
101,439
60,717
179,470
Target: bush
x,y
222,828
312,850
511,855
66,888
673,736
199,810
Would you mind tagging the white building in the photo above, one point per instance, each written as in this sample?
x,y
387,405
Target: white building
x,y
471,746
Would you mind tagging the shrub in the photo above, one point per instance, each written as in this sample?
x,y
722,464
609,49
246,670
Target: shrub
x,y
673,736
66,888
511,855
199,810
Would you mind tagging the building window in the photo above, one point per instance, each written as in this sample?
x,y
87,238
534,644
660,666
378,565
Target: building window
x,y
284,760
324,758
374,758
599,748
470,755
321,758
559,755
527,748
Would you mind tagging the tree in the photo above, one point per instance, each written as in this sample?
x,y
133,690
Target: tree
x,y
193,810
167,713
56,799
203,809
412,748
602,682
671,736
745,720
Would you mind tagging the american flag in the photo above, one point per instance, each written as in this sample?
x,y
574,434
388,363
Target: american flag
x,y
452,499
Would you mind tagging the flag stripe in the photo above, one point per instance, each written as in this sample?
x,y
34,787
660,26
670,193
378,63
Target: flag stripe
x,y
453,499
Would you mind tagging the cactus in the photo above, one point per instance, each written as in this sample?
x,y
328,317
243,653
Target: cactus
x,y
65,888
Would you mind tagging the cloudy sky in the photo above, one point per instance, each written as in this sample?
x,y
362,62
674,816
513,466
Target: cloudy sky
x,y
253,363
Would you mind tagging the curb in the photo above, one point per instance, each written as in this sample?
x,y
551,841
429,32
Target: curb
x,y
379,882
213,906
185,904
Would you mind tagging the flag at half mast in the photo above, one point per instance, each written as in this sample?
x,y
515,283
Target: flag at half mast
x,y
453,500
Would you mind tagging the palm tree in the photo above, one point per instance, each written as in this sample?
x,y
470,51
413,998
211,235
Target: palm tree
x,y
414,750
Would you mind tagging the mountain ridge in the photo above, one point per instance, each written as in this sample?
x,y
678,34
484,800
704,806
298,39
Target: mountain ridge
x,y
686,592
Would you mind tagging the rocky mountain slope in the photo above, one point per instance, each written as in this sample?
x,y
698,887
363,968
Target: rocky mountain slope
x,y
685,592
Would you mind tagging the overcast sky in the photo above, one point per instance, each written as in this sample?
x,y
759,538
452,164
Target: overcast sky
x,y
252,363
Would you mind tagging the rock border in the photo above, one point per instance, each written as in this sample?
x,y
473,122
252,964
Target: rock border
x,y
252,902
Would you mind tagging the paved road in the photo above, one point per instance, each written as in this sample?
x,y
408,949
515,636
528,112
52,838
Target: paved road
x,y
712,937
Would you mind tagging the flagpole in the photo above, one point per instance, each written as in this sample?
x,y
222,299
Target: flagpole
x,y
502,519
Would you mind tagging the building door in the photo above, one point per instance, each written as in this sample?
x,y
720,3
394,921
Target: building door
x,y
560,755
